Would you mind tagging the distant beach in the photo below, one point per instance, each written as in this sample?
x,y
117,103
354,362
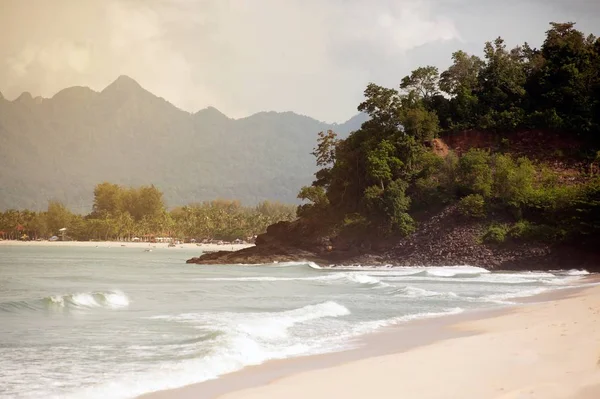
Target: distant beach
x,y
114,244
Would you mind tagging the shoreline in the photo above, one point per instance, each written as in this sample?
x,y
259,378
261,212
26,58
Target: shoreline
x,y
261,381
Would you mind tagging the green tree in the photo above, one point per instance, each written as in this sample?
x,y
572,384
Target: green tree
x,y
383,106
108,198
144,201
382,163
318,201
325,155
422,83
501,83
462,75
57,217
421,124
461,82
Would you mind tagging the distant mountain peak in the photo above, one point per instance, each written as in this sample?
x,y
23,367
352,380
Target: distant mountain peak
x,y
122,84
25,97
75,93
1,96
211,111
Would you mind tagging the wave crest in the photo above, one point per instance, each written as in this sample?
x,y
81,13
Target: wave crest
x,y
80,300
110,300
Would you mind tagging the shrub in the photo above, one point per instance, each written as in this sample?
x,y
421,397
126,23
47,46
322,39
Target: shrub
x,y
553,199
520,230
354,220
472,205
495,234
513,181
474,173
524,230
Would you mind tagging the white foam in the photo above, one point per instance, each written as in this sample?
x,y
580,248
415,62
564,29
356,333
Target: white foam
x,y
116,299
264,325
89,300
248,339
312,265
276,325
575,272
489,278
362,278
354,277
456,271
370,326
438,271
416,292
516,294
233,353
83,300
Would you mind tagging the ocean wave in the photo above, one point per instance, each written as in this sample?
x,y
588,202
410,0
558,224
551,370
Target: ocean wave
x,y
416,292
456,271
575,272
231,353
516,294
362,278
251,339
80,300
491,278
264,324
432,271
370,326
311,265
354,277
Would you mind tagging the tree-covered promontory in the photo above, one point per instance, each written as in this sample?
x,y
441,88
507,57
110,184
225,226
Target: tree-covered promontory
x,y
386,174
493,162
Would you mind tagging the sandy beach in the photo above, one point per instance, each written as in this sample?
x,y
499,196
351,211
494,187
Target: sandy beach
x,y
114,244
548,350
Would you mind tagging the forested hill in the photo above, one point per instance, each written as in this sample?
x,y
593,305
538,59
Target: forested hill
x,y
60,148
493,192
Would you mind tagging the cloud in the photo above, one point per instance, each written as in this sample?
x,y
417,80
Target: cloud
x,y
243,56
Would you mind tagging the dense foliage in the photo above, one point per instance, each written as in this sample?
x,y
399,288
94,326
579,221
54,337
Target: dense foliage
x,y
122,213
385,172
554,87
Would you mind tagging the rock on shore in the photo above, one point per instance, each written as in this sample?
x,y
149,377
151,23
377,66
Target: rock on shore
x,y
443,239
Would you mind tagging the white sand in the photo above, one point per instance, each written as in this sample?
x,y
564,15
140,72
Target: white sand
x,y
112,244
542,351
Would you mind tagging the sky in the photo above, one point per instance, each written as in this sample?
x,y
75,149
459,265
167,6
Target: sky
x,y
313,57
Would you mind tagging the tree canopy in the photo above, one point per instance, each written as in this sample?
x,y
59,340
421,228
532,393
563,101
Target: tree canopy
x,y
385,171
121,213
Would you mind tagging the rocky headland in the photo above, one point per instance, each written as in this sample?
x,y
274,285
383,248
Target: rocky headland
x,y
444,238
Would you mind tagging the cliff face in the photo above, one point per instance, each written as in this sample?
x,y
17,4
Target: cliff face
x,y
444,238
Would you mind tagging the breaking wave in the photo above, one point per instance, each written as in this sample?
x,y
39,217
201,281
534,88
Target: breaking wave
x,y
81,300
352,277
416,292
575,272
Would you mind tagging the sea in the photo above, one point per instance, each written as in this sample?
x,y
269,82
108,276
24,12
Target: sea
x,y
85,322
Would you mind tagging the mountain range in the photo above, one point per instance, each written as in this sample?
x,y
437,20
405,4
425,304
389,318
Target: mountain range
x,y
59,148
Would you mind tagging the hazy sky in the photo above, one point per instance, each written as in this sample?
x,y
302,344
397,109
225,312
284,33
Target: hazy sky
x,y
313,57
